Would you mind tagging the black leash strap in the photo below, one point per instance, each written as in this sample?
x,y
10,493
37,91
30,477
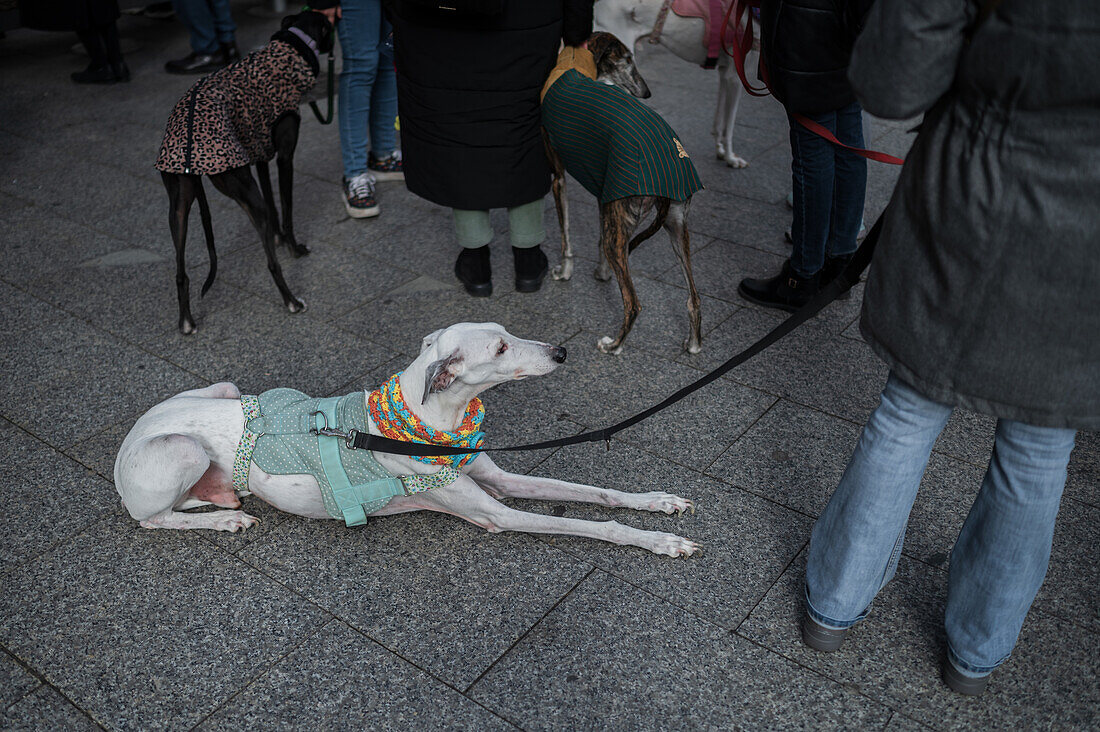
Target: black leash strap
x,y
326,118
844,282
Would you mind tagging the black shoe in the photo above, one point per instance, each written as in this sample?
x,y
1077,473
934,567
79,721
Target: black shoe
x,y
121,71
832,269
473,271
531,266
94,75
196,63
230,54
786,291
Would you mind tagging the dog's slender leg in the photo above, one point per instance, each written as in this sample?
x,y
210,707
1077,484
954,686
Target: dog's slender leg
x,y
676,226
618,220
238,184
465,499
564,270
181,194
502,484
730,93
721,111
263,175
155,476
285,135
603,270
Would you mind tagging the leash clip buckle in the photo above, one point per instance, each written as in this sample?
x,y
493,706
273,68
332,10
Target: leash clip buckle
x,y
327,431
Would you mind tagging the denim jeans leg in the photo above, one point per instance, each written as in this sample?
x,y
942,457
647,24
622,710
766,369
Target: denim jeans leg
x,y
812,185
383,100
358,31
196,15
224,27
849,183
1000,558
856,542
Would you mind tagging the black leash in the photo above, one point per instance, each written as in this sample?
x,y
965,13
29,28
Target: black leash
x,y
327,118
844,282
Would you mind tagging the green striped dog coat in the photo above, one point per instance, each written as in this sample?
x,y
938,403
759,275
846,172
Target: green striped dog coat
x,y
614,145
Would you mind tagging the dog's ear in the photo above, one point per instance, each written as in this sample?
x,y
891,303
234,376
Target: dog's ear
x,y
430,339
599,44
441,374
287,22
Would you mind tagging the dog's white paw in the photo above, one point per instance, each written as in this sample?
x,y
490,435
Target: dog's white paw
x,y
692,346
674,546
660,502
602,272
606,345
296,305
563,271
735,161
233,520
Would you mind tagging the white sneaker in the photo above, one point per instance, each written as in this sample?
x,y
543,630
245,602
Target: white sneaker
x,y
359,197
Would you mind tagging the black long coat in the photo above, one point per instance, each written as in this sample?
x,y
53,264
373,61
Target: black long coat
x,y
983,290
468,98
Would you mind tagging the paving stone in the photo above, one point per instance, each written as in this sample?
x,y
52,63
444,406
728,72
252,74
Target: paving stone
x,y
15,682
721,267
1083,483
348,681
513,418
432,588
901,723
49,497
793,455
610,656
1071,589
731,574
167,631
45,709
968,436
256,344
895,657
63,377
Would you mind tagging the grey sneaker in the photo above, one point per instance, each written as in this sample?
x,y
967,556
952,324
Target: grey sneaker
x,y
359,197
969,685
819,637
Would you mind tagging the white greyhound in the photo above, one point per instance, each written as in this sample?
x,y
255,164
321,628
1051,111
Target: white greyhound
x,y
181,454
631,20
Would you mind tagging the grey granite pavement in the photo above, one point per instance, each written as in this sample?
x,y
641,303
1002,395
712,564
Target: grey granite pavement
x,y
422,621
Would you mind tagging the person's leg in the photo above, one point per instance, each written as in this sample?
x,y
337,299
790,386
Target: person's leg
x,y
1001,555
198,18
527,232
812,171
93,44
383,103
225,30
358,31
856,543
849,184
474,232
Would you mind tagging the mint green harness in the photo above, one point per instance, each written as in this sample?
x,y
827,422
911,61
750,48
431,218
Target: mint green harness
x,y
284,435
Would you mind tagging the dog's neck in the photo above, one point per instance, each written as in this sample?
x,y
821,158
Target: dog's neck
x,y
305,37
443,410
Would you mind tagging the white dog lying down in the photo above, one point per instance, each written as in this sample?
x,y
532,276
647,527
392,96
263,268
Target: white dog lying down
x,y
199,448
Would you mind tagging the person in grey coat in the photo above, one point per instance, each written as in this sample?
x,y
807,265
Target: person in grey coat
x,y
983,294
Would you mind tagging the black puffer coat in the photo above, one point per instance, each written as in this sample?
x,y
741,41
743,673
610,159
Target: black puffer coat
x,y
468,98
806,46
67,15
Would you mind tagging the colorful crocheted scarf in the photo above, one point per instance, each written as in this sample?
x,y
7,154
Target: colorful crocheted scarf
x,y
394,420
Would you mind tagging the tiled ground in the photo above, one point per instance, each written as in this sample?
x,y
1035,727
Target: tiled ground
x,y
423,621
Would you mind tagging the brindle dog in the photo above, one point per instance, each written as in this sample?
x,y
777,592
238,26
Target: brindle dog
x,y
619,219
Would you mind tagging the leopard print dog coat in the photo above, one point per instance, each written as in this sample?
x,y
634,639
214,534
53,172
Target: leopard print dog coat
x,y
225,120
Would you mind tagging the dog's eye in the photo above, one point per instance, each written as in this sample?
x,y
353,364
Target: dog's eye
x,y
503,347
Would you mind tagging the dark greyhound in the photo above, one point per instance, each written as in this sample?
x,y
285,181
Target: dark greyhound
x,y
243,115
629,158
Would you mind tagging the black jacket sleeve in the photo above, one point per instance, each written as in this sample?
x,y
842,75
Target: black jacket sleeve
x,y
576,21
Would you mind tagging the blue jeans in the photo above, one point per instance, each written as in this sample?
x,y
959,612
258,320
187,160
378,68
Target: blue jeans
x,y
209,21
368,85
1000,557
829,184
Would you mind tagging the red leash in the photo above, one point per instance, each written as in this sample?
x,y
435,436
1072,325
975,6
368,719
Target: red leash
x,y
740,50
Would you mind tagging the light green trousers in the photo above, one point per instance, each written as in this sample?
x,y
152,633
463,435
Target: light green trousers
x,y
525,227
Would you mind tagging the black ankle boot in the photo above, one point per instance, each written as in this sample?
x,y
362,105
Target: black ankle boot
x,y
121,71
832,269
473,271
94,75
531,266
786,291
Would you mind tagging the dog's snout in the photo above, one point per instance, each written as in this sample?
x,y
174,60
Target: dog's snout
x,y
558,354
